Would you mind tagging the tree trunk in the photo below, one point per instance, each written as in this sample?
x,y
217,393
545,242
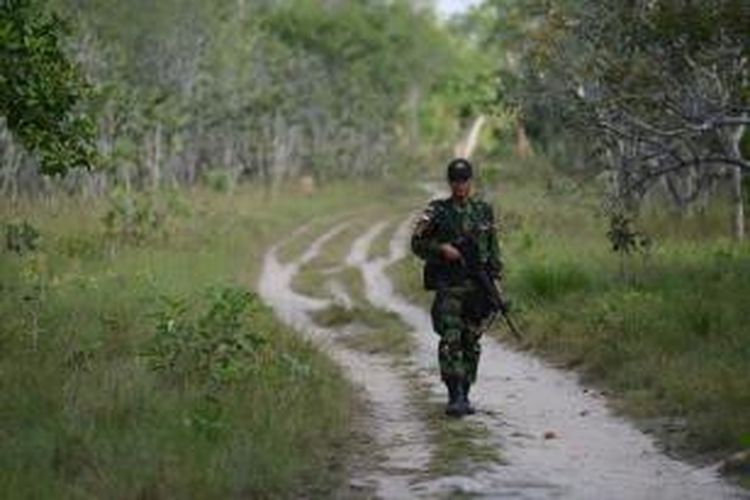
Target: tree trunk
x,y
413,100
738,202
281,157
156,159
738,217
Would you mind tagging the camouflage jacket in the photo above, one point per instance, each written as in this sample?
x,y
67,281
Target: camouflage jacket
x,y
444,222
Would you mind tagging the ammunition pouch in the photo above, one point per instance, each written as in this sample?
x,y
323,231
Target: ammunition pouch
x,y
437,274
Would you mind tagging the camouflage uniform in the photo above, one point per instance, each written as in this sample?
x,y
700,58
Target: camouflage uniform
x,y
444,221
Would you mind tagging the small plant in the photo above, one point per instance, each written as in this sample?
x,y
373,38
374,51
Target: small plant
x,y
210,351
134,217
625,239
33,293
21,237
220,181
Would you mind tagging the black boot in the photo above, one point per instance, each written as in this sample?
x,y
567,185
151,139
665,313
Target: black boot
x,y
455,407
468,408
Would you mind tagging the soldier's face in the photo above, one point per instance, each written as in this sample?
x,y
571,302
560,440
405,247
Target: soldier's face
x,y
460,189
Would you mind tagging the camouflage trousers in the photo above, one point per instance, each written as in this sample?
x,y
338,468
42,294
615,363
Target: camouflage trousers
x,y
459,349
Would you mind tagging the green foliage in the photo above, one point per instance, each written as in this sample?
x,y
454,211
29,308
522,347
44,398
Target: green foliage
x,y
135,217
219,181
625,239
216,348
21,237
41,89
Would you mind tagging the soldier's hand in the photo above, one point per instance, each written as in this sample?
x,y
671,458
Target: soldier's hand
x,y
449,252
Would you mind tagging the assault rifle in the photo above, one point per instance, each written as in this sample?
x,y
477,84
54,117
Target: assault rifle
x,y
491,303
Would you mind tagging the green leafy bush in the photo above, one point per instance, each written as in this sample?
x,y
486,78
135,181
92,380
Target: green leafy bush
x,y
216,346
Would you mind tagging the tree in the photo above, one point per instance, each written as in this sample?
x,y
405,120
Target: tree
x,y
41,89
250,89
658,88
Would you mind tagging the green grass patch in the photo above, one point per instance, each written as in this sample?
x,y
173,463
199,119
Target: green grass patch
x,y
381,246
676,344
383,332
461,445
550,281
406,276
313,277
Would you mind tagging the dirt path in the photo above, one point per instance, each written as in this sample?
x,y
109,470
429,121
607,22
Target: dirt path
x,y
401,438
593,454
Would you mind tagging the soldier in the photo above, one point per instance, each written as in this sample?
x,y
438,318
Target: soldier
x,y
440,226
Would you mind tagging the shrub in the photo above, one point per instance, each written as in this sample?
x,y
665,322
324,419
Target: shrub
x,y
21,237
218,346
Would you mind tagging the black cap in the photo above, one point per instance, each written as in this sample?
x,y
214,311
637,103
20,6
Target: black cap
x,y
459,170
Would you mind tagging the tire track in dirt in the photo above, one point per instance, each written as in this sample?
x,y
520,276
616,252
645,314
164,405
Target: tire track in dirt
x,y
401,438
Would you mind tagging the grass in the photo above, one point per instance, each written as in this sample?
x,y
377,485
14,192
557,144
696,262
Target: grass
x,y
84,412
461,445
383,333
313,276
406,276
674,344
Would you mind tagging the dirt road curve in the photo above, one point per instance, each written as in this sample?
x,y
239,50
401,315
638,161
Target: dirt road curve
x,y
592,454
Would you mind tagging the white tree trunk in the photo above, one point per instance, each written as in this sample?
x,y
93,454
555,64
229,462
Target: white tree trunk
x,y
738,202
738,217
413,100
156,159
